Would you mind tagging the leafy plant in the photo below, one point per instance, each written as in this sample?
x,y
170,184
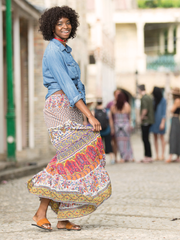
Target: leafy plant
x,y
158,3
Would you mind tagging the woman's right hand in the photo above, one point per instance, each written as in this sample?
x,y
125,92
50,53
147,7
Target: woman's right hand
x,y
95,123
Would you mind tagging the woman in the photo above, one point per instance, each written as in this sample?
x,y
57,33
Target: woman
x,y
158,128
174,141
75,182
120,126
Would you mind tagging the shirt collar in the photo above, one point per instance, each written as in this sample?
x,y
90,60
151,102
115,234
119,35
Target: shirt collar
x,y
61,46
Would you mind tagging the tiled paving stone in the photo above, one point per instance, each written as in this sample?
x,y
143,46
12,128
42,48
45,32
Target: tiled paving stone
x,y
146,197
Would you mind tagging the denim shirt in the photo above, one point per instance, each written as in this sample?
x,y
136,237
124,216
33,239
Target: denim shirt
x,y
61,72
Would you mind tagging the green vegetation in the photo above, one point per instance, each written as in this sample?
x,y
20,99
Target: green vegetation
x,y
158,3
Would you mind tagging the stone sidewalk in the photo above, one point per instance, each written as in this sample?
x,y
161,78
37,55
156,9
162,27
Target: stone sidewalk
x,y
10,170
145,199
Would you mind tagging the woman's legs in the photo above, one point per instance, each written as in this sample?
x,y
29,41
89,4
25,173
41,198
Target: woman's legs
x,y
41,212
156,145
163,145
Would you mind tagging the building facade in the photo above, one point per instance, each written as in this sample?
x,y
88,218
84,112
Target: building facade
x,y
147,48
32,140
101,78
28,49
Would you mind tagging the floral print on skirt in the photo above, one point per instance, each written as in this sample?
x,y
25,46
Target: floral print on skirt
x,y
75,179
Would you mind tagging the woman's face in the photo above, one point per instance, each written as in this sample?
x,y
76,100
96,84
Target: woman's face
x,y
62,28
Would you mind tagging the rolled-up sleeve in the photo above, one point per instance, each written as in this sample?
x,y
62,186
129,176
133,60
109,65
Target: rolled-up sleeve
x,y
58,70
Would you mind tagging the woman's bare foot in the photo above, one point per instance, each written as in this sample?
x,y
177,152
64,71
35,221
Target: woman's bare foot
x,y
121,161
168,161
68,225
146,160
39,216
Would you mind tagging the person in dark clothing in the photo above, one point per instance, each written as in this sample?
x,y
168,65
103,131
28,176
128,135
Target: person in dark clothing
x,y
102,114
174,143
158,128
147,119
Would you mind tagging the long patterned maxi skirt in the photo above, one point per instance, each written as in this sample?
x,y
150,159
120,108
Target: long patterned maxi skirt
x,y
75,180
122,134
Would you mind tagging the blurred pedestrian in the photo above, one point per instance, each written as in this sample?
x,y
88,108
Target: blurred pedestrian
x,y
174,140
147,119
158,128
111,103
113,139
102,115
121,128
75,182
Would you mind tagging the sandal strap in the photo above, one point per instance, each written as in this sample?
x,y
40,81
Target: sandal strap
x,y
69,225
42,222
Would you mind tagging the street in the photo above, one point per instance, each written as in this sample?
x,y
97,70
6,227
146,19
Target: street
x,y
145,199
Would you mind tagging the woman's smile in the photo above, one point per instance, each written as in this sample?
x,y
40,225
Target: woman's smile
x,y
63,28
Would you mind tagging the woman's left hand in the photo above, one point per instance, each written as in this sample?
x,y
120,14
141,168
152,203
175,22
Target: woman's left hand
x,y
161,127
95,123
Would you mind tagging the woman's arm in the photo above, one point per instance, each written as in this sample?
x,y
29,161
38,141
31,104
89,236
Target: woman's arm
x,y
92,120
163,120
162,125
175,105
128,108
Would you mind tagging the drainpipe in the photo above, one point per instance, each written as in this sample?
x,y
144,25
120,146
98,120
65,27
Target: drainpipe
x,y
10,116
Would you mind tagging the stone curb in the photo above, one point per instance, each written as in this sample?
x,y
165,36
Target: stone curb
x,y
10,174
18,172
9,171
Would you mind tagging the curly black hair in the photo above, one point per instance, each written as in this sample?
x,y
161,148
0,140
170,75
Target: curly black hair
x,y
50,17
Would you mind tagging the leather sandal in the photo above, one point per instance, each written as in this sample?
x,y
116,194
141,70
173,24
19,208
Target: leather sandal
x,y
168,161
41,223
71,227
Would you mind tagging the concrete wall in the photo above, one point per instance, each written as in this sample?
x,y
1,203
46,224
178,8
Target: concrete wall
x,y
125,48
125,4
40,130
150,79
79,45
101,79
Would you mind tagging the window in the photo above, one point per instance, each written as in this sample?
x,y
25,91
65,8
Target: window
x,y
92,59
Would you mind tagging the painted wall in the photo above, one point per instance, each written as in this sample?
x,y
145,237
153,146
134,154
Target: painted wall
x,y
101,79
125,48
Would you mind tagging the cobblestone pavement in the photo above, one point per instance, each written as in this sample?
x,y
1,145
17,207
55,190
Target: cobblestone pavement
x,y
145,199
